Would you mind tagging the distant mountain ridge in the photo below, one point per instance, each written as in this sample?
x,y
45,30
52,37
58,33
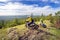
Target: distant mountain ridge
x,y
15,16
12,17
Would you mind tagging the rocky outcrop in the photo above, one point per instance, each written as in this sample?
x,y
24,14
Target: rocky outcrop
x,y
12,34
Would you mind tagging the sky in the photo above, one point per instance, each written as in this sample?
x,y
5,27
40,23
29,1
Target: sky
x,y
27,7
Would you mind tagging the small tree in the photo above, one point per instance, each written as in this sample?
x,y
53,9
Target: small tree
x,y
57,19
2,23
50,17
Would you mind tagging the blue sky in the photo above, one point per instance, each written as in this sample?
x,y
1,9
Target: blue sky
x,y
26,7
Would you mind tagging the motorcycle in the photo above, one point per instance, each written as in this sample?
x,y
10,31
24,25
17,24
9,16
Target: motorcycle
x,y
32,26
43,25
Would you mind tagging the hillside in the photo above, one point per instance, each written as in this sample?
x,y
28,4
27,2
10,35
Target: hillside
x,y
23,33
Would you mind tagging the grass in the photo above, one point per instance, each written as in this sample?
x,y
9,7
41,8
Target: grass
x,y
55,31
2,33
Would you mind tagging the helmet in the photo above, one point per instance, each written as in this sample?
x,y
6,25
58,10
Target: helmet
x,y
28,16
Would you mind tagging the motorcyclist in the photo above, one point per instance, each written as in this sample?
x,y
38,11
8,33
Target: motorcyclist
x,y
29,21
42,24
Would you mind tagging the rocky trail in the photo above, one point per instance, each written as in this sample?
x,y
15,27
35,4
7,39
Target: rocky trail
x,y
30,35
36,35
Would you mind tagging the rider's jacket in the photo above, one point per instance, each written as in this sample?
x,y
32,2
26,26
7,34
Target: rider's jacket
x,y
29,19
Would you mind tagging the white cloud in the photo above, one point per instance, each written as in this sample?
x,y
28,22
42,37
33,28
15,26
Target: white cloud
x,y
22,9
4,0
55,1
